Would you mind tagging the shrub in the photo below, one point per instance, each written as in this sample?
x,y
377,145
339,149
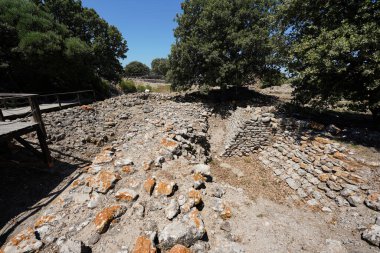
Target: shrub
x,y
128,86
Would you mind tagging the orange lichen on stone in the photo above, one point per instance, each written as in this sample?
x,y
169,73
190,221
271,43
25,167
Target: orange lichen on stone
x,y
143,245
167,143
23,236
164,188
350,177
322,140
147,165
106,216
149,185
323,177
125,195
87,108
296,159
76,183
194,215
103,181
127,169
196,196
179,249
199,177
105,156
226,213
340,156
43,220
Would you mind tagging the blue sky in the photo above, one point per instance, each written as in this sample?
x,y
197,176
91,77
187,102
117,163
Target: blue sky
x,y
147,25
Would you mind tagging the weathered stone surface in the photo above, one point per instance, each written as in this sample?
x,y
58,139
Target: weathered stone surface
x,y
25,241
149,185
292,183
71,246
195,195
179,249
184,233
373,201
106,216
334,246
172,209
103,181
164,188
126,195
105,156
199,180
372,235
144,245
202,169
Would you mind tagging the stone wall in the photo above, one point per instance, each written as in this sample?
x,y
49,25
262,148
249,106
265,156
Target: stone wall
x,y
249,129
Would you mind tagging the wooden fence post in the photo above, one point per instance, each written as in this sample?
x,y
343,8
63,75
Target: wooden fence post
x,y
37,113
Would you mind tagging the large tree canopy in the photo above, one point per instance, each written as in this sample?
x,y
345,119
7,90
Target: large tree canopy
x,y
56,45
221,43
135,69
334,51
160,66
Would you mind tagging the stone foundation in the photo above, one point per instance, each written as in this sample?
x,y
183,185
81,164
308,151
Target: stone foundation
x,y
249,129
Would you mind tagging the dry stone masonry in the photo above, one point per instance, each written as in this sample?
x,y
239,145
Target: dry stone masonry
x,y
249,129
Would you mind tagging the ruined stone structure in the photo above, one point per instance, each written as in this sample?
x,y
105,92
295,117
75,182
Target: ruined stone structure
x,y
249,129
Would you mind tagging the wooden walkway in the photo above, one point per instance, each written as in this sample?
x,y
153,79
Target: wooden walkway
x,y
14,127
24,111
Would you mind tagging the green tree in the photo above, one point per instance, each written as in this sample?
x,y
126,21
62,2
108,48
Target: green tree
x,y
160,66
222,43
41,51
136,68
334,52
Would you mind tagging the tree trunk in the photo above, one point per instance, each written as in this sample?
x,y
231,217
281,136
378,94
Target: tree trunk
x,y
376,118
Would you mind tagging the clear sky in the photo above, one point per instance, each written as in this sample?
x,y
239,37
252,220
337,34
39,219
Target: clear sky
x,y
147,25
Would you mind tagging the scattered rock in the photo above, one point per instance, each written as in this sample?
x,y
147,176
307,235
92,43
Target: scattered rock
x,y
144,245
126,195
179,249
373,201
172,209
25,241
106,216
372,235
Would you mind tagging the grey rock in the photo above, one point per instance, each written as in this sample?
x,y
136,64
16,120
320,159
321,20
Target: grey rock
x,y
334,186
94,238
203,169
292,183
185,232
172,209
340,201
334,246
200,247
355,200
372,235
226,226
71,246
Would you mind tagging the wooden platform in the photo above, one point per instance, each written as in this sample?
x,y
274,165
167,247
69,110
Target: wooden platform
x,y
23,111
15,128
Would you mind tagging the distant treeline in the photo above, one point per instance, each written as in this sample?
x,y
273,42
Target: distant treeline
x,y
57,45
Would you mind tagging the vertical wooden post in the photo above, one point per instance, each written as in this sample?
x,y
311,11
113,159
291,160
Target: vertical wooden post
x,y
44,148
78,96
1,115
37,113
59,101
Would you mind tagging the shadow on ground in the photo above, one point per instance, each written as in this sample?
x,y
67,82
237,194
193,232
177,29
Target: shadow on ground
x,y
358,128
26,186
